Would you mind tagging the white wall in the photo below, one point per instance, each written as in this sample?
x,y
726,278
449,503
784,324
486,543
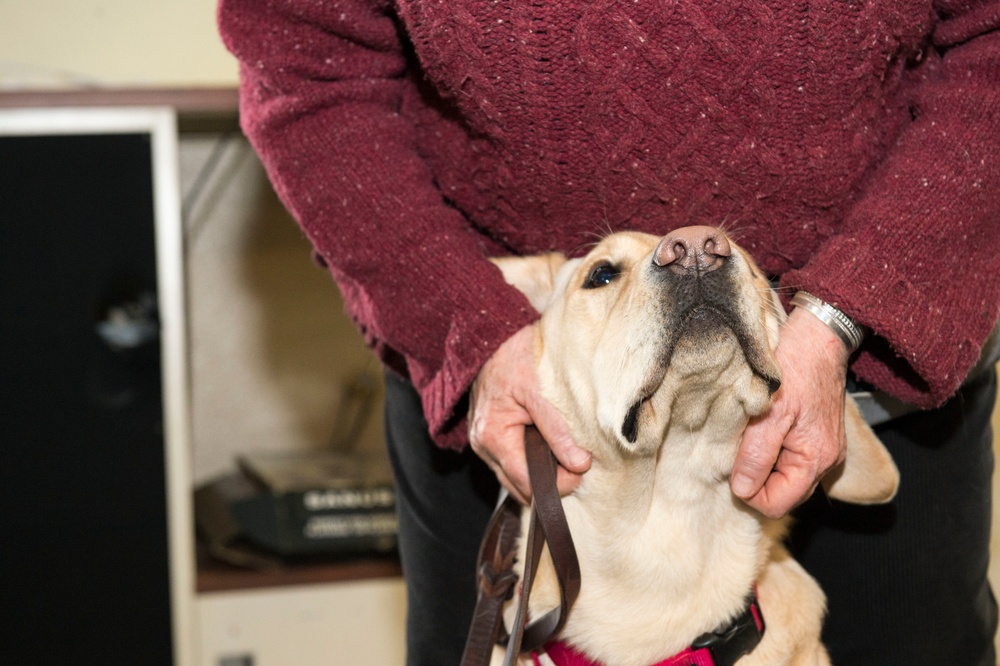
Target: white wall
x,y
271,348
157,43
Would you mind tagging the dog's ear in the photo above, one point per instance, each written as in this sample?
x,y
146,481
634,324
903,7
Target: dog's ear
x,y
533,276
867,475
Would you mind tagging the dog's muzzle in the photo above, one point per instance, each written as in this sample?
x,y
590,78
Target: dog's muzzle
x,y
694,265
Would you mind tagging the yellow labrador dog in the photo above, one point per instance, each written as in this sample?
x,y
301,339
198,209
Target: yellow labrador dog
x,y
658,351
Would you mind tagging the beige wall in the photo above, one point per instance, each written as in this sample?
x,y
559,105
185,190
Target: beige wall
x,y
111,43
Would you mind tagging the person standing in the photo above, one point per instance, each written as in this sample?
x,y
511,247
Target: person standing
x,y
850,147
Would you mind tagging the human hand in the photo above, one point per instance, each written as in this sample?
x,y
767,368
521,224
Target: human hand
x,y
505,398
785,452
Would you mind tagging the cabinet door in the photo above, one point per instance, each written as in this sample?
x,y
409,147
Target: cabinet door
x,y
89,571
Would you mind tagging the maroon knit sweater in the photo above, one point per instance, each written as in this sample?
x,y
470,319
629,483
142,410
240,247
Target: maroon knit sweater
x,y
852,146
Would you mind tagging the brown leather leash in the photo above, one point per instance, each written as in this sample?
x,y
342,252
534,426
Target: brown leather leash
x,y
496,561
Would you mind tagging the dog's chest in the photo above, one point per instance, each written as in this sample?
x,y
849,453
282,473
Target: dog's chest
x,y
652,585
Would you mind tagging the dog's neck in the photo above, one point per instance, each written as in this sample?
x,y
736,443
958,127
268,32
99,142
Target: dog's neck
x,y
664,533
679,498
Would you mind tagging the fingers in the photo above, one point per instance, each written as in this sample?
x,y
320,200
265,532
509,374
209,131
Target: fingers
x,y
497,416
503,452
768,475
792,481
757,456
502,448
505,398
573,460
785,452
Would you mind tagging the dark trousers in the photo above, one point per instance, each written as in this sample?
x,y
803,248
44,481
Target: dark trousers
x,y
906,582
443,500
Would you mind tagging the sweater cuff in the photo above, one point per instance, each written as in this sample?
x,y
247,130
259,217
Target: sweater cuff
x,y
906,356
467,348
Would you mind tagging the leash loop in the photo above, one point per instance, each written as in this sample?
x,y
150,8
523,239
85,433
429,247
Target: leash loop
x,y
496,558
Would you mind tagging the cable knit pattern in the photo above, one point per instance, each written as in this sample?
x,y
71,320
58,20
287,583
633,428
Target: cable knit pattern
x,y
850,145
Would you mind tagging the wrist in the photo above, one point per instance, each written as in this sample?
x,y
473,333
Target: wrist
x,y
848,331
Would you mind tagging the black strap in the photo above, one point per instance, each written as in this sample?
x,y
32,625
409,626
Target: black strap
x,y
740,637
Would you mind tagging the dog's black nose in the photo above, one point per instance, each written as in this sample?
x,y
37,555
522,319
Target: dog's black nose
x,y
693,249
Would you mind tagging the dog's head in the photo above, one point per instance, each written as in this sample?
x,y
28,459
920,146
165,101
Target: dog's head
x,y
646,333
645,336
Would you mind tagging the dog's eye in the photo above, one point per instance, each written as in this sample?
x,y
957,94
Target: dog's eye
x,y
601,275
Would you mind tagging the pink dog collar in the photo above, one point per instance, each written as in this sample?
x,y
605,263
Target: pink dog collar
x,y
717,648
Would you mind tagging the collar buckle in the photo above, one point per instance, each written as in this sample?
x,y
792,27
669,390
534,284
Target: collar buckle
x,y
727,645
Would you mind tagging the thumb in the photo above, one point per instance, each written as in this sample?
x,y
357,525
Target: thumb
x,y
755,458
573,459
556,432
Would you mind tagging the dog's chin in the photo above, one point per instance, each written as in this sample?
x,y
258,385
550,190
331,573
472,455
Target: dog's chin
x,y
706,372
704,327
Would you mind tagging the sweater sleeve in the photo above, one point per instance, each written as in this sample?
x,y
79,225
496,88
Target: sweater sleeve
x,y
322,86
918,257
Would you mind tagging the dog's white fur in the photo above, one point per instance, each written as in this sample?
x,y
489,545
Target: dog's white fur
x,y
666,551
